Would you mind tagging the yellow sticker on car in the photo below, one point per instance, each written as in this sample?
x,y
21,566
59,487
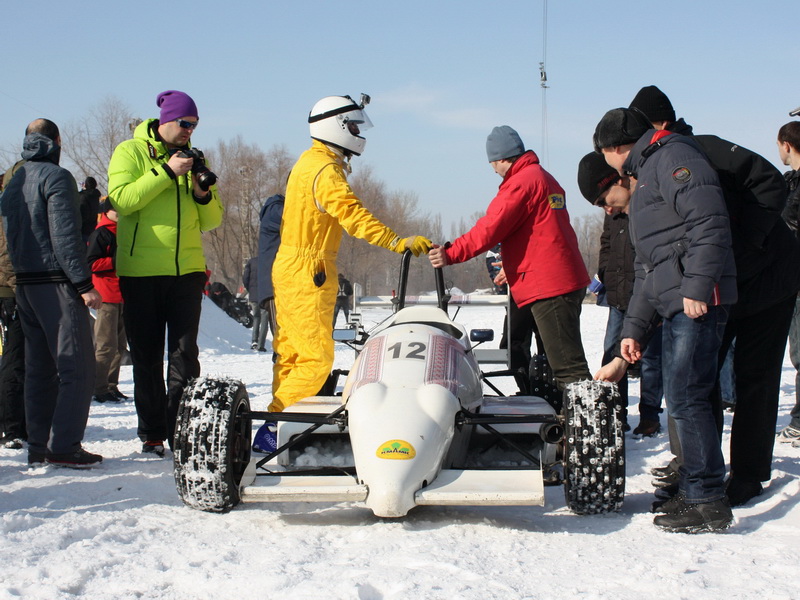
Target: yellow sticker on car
x,y
396,450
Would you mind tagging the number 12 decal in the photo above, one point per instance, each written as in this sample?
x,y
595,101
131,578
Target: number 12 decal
x,y
413,350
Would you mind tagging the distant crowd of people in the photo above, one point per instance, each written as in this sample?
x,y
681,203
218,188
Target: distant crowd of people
x,y
699,249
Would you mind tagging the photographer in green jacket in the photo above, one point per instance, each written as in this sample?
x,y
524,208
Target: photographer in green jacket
x,y
165,197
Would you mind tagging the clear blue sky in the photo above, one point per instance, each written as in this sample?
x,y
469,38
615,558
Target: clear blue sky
x,y
441,74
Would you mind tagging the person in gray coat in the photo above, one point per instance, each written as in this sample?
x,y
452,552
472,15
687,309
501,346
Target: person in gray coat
x,y
54,288
260,315
685,274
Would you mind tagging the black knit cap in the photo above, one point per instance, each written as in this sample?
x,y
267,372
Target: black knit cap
x,y
620,126
595,176
654,103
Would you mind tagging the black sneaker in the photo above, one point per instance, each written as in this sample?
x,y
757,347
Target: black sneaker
x,y
35,458
741,492
697,518
155,447
647,428
11,441
80,459
106,397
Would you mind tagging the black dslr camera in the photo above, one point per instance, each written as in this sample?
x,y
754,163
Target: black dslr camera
x,y
205,178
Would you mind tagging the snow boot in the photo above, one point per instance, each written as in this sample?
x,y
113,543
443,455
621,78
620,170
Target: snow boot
x,y
697,518
119,395
672,478
668,505
662,471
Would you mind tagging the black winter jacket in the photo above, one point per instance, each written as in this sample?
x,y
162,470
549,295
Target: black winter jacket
x,y
767,255
90,208
42,221
792,201
615,267
680,230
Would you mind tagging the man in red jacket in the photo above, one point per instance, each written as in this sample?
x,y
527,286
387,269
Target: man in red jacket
x,y
541,259
110,342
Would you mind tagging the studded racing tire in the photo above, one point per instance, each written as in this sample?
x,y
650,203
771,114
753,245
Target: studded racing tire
x,y
212,443
594,452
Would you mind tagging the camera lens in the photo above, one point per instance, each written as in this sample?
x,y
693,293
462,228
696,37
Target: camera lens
x,y
205,179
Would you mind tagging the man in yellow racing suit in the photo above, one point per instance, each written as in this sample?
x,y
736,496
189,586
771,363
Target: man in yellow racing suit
x,y
319,206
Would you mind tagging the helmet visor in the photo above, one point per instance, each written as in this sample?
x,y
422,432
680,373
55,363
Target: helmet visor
x,y
356,121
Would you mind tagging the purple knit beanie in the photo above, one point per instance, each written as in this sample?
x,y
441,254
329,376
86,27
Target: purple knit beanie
x,y
174,105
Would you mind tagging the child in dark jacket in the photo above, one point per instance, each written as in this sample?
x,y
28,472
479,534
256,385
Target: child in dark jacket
x,y
109,330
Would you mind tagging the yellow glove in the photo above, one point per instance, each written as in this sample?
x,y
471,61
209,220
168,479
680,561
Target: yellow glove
x,y
416,243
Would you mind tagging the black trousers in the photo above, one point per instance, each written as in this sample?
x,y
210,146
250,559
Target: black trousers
x,y
155,307
12,372
522,331
757,362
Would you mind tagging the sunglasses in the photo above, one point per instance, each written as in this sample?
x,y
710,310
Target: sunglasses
x,y
186,124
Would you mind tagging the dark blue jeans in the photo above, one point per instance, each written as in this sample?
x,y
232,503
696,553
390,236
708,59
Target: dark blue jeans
x,y
727,377
689,358
651,389
794,355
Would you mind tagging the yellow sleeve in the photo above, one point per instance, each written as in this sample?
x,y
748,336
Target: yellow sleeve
x,y
334,194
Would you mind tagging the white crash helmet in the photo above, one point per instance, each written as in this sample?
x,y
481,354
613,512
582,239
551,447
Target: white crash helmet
x,y
337,120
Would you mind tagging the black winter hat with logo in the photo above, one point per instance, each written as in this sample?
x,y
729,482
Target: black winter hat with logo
x,y
595,176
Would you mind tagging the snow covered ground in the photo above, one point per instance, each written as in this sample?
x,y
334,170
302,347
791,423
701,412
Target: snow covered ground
x,y
120,531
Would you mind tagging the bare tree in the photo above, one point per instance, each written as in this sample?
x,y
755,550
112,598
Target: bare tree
x,y
247,177
375,268
10,154
471,275
89,142
588,229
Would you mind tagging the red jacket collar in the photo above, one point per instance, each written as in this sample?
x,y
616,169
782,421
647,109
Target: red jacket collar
x,y
527,159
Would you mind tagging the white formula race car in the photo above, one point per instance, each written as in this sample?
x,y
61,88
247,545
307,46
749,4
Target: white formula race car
x,y
421,430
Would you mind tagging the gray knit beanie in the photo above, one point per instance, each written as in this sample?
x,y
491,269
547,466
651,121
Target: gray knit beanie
x,y
503,143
